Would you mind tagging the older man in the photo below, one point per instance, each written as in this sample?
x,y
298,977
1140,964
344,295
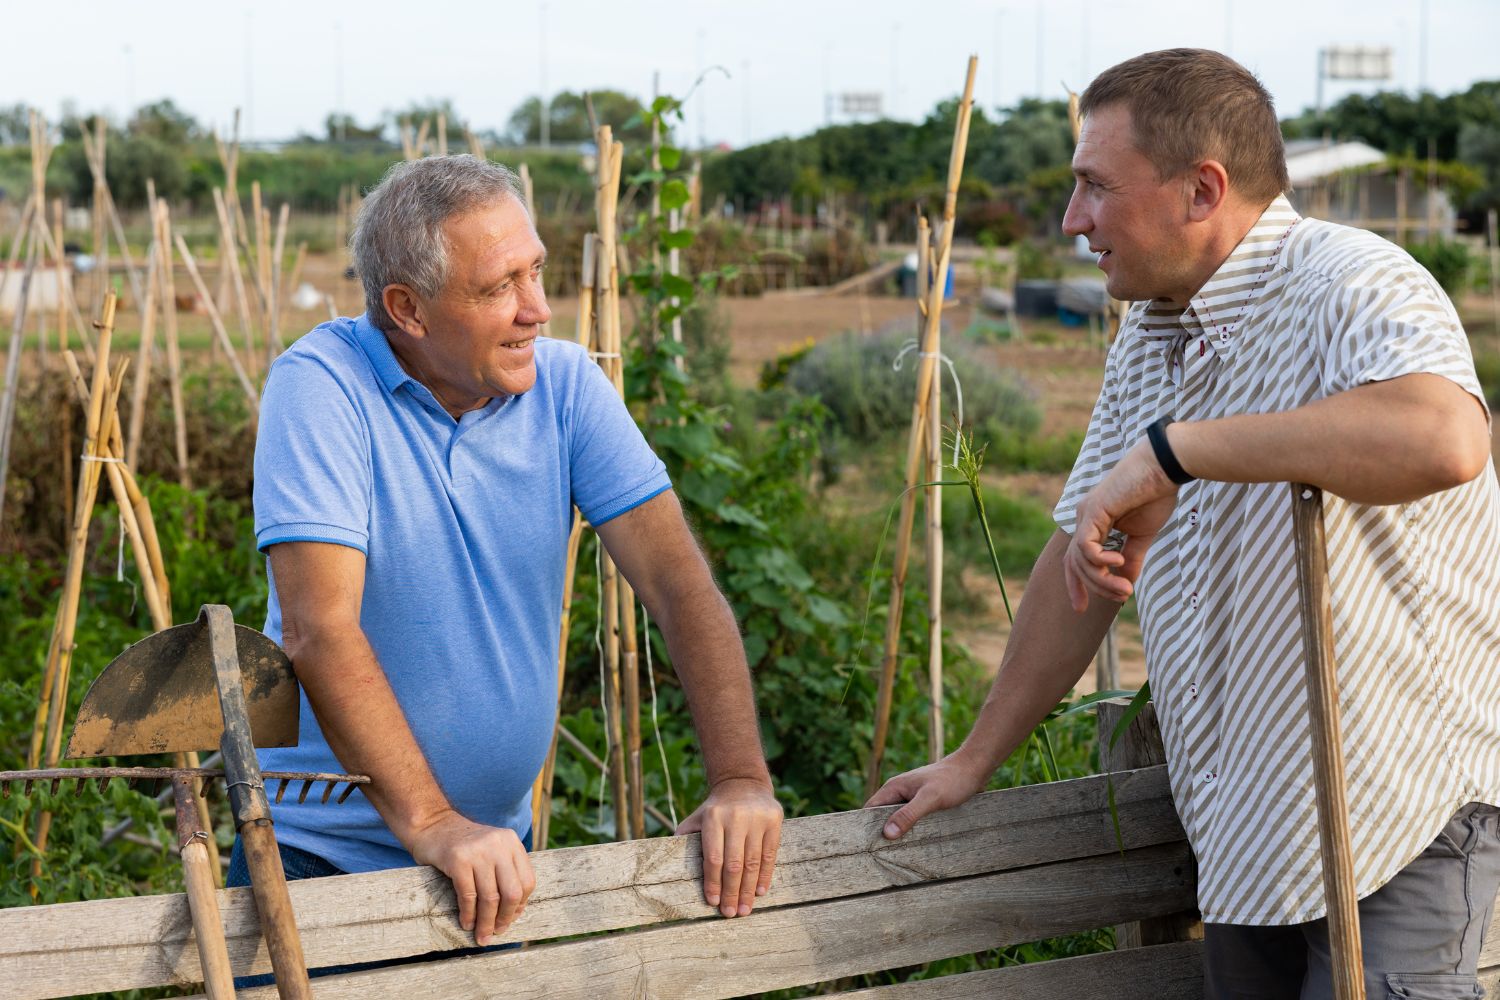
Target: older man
x,y
414,480
1266,348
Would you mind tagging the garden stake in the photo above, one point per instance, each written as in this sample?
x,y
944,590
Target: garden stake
x,y
10,395
615,590
143,357
218,325
273,314
168,278
917,438
933,498
1328,755
541,794
230,264
95,155
442,134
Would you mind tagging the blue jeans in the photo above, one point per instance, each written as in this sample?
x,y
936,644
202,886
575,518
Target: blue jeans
x,y
300,864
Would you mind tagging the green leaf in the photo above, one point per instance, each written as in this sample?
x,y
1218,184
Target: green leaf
x,y
646,177
1131,711
735,514
674,194
827,611
672,284
671,156
679,240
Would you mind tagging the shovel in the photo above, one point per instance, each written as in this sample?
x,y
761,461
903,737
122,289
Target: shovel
x,y
1328,752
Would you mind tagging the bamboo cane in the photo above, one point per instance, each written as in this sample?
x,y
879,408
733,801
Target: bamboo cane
x,y
541,795
408,152
273,314
41,155
95,156
8,399
62,275
1328,753
168,280
65,418
421,143
476,145
615,588
442,134
1492,230
915,441
231,265
217,323
101,241
142,383
933,499
21,238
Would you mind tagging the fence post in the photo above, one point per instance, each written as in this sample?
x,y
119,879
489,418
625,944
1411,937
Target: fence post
x,y
1141,746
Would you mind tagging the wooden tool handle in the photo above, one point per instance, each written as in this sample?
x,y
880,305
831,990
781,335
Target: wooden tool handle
x,y
1327,744
274,905
203,902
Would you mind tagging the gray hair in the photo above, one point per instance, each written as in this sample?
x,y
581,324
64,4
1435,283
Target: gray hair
x,y
398,237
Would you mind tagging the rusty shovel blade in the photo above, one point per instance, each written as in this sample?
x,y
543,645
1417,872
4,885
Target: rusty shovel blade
x,y
159,696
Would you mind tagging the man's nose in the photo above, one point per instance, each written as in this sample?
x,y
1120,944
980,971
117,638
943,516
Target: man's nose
x,y
1075,219
534,309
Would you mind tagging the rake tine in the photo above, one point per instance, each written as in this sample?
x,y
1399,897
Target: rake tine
x,y
56,783
281,789
28,788
327,792
132,783
5,790
99,783
302,795
79,784
345,794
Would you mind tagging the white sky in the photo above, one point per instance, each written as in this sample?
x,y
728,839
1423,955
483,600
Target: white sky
x,y
288,64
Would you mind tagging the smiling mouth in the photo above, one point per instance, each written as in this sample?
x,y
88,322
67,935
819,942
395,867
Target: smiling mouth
x,y
1102,254
519,345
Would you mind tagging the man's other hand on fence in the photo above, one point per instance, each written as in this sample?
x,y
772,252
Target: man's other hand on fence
x,y
741,826
948,783
491,872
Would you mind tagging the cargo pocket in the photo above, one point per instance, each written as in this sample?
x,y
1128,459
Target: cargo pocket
x,y
1414,986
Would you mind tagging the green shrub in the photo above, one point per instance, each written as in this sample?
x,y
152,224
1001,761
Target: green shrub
x,y
853,376
1446,260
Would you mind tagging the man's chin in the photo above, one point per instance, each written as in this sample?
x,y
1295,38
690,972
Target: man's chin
x,y
515,383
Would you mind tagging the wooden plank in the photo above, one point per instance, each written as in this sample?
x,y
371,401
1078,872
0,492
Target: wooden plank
x,y
1161,972
800,945
119,944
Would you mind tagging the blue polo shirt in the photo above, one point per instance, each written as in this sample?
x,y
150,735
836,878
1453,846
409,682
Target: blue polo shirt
x,y
464,526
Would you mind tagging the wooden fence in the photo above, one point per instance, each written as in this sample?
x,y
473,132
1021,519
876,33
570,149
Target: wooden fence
x,y
1008,867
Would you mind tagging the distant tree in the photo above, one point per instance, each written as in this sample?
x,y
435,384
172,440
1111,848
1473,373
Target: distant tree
x,y
427,111
569,118
339,127
165,122
15,125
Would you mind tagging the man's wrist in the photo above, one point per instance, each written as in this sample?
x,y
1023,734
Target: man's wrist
x,y
763,778
1166,456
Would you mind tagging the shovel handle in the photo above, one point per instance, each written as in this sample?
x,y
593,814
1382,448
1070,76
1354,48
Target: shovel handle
x,y
252,814
1327,744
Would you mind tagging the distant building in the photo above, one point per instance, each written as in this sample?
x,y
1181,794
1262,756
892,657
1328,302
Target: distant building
x,y
1351,183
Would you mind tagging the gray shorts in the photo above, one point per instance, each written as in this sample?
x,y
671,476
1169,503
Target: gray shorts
x,y
1421,931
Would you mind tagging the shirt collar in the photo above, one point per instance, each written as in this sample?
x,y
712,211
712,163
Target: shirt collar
x,y
377,348
1218,310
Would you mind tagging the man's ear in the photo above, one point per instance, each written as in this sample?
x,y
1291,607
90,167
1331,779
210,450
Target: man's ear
x,y
405,308
1208,190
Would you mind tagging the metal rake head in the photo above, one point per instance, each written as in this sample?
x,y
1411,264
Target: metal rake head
x,y
156,777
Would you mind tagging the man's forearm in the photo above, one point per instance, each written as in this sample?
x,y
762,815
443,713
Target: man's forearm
x,y
704,641
1049,649
365,727
1383,443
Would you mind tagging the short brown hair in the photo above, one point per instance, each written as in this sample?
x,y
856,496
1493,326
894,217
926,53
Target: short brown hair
x,y
1189,105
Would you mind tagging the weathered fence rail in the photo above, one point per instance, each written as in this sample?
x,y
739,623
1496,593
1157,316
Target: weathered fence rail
x,y
1008,867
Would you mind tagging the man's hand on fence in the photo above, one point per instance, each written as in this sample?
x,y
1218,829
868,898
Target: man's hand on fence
x,y
943,785
490,869
741,826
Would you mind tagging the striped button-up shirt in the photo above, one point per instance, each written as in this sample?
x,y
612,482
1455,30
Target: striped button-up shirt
x,y
1301,310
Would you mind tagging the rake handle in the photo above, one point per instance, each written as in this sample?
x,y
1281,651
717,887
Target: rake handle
x,y
1327,744
203,902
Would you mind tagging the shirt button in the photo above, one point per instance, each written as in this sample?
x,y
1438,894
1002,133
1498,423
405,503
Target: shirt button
x,y
1210,775
1193,517
1193,600
1193,690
